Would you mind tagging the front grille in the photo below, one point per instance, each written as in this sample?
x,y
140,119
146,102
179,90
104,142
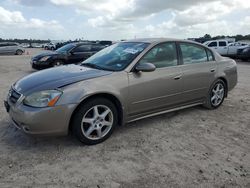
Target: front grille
x,y
14,96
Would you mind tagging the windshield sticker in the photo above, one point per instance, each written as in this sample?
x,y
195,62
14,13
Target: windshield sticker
x,y
131,50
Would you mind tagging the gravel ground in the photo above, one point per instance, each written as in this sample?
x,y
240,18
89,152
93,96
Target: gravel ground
x,y
190,148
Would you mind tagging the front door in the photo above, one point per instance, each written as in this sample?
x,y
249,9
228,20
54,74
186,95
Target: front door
x,y
155,91
79,54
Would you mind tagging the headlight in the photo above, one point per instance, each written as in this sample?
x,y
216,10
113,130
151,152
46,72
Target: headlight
x,y
45,58
43,98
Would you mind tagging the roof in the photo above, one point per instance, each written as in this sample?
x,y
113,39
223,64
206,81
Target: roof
x,y
154,40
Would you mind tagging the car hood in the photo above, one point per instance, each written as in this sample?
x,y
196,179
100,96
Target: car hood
x,y
39,56
56,77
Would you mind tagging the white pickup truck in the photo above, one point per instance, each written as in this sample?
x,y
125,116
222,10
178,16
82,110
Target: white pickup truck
x,y
225,48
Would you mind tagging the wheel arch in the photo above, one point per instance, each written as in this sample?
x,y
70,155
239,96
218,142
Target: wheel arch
x,y
108,96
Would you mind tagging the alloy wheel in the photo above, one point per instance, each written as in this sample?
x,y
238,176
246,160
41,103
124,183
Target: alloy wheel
x,y
217,94
97,122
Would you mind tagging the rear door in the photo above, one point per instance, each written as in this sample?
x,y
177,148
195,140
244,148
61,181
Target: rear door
x,y
154,91
198,71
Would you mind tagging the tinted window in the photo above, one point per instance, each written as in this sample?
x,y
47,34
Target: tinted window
x,y
82,48
97,47
212,44
222,43
210,55
162,55
192,53
65,48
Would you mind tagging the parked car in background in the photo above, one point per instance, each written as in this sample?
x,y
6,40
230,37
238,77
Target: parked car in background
x,y
224,48
72,53
234,47
218,45
11,48
244,53
36,45
50,46
122,83
25,45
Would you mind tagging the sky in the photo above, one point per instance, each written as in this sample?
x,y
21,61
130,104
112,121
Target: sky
x,y
122,19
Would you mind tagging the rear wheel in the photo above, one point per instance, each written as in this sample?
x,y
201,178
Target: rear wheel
x,y
19,52
94,121
216,95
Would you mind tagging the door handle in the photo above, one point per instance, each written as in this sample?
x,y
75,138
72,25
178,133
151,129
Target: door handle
x,y
212,70
177,77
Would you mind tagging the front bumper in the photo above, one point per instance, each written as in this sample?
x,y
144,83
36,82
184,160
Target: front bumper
x,y
41,121
38,65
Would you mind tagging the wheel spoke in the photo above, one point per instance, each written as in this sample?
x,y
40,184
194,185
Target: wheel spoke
x,y
106,123
217,87
87,120
96,113
213,98
99,132
105,113
90,130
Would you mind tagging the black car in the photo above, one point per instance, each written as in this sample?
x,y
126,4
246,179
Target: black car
x,y
72,53
244,54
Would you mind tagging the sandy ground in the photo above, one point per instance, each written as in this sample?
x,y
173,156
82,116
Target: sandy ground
x,y
189,148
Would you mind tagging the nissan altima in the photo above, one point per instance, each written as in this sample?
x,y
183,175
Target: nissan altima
x,y
122,83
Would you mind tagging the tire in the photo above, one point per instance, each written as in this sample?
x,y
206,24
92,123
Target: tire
x,y
216,95
19,52
46,48
52,48
57,63
93,126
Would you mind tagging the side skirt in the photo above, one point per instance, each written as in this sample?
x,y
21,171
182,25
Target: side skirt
x,y
165,111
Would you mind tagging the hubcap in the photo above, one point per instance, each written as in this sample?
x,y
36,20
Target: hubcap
x,y
97,122
217,94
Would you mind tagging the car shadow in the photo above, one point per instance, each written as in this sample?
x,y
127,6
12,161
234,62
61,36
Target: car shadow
x,y
13,137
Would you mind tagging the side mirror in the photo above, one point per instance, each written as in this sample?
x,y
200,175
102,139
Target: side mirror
x,y
145,67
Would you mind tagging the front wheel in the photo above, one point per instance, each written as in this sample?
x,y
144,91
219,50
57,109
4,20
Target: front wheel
x,y
216,95
57,63
95,120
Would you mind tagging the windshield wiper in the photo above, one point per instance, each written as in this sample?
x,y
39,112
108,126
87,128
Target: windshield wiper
x,y
91,65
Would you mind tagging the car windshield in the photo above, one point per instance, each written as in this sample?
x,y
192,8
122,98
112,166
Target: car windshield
x,y
116,57
65,48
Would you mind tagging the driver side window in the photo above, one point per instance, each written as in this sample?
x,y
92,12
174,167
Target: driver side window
x,y
162,55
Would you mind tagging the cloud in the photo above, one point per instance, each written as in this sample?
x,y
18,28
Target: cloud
x,y
11,21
